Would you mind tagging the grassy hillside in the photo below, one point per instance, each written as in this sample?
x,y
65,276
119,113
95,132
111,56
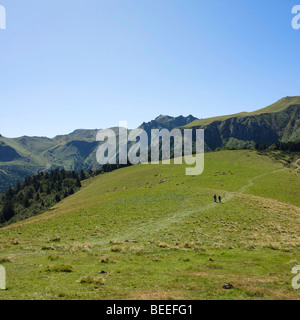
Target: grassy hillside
x,y
20,157
158,235
279,122
278,106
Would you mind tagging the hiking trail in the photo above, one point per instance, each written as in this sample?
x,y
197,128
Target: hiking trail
x,y
151,227
296,164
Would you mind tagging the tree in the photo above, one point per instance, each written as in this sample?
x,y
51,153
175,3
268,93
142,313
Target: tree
x,y
37,193
9,194
63,174
48,191
30,192
8,211
18,187
82,175
78,183
26,203
20,197
74,174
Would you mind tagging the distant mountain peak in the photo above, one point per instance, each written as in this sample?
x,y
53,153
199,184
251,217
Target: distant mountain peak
x,y
83,131
167,122
163,117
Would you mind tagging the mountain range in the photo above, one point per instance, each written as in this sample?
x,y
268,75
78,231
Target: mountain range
x,y
23,156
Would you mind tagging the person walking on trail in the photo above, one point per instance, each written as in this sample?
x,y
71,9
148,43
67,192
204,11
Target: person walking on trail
x,y
220,199
215,198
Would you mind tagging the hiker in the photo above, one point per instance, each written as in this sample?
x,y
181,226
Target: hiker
x,y
220,199
215,198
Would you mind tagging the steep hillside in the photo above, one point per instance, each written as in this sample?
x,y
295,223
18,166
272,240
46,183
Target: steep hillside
x,y
150,232
77,135
278,122
73,155
278,106
23,156
7,153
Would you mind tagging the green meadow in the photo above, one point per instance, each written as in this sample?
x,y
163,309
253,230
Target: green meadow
x,y
151,232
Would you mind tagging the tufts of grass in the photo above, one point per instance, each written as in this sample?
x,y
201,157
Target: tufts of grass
x,y
116,249
189,245
92,280
55,239
47,248
53,258
116,242
60,269
105,260
5,260
162,245
80,247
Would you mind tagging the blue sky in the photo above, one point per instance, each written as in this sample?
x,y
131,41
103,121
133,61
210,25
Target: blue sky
x,y
68,64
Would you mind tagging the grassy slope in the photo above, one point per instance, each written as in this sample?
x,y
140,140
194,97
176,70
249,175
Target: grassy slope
x,y
31,150
40,153
278,106
164,240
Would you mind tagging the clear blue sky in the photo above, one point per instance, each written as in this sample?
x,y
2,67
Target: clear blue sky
x,y
72,64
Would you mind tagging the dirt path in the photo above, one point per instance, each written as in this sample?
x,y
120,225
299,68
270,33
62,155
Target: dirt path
x,y
297,164
151,227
